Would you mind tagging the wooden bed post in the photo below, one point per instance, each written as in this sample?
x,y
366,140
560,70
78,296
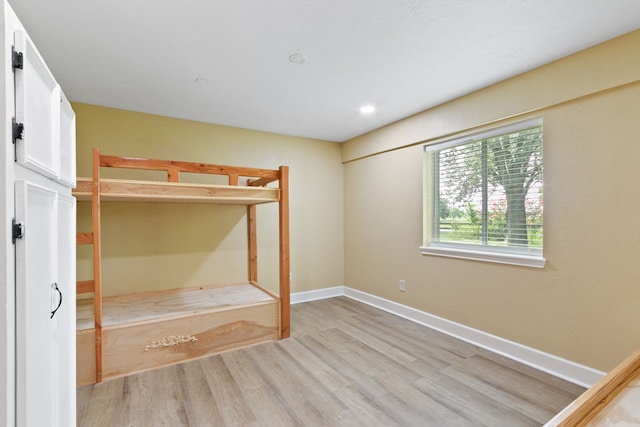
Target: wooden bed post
x,y
97,267
253,243
285,266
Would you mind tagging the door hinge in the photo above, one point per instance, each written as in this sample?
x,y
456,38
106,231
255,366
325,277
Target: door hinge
x,y
17,59
16,129
17,230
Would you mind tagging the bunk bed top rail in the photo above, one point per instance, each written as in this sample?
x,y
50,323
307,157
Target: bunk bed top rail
x,y
252,191
173,168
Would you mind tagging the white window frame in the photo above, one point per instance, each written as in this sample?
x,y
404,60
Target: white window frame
x,y
496,254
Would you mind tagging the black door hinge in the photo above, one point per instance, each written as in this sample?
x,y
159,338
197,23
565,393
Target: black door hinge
x,y
17,230
17,59
17,129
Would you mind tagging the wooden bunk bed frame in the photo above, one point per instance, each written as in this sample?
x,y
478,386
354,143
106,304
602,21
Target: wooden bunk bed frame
x,y
603,396
215,318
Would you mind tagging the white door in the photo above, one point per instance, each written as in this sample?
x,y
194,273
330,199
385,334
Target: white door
x,y
36,277
44,306
38,100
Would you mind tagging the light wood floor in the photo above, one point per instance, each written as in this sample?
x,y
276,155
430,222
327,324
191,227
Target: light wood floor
x,y
347,364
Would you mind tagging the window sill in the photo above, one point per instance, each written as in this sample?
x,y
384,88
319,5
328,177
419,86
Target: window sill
x,y
477,255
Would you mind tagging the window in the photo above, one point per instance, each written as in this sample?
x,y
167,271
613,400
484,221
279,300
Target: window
x,y
483,196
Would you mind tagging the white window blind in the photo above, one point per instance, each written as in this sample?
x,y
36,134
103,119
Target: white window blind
x,y
484,193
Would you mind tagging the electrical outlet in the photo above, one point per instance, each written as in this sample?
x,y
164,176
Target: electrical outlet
x,y
402,285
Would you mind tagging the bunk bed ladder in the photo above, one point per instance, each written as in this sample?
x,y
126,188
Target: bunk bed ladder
x,y
94,286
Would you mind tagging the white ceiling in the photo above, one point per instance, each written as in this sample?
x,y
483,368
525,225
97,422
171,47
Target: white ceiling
x,y
227,61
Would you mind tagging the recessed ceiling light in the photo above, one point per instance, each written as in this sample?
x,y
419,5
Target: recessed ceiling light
x,y
297,58
367,109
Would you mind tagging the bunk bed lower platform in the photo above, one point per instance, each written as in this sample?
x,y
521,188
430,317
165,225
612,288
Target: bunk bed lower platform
x,y
154,329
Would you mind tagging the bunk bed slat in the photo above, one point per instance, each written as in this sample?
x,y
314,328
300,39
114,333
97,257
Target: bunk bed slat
x,y
84,238
85,286
115,190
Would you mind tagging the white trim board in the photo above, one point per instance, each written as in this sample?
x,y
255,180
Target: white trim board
x,y
317,294
559,367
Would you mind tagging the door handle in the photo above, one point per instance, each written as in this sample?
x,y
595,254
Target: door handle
x,y
55,287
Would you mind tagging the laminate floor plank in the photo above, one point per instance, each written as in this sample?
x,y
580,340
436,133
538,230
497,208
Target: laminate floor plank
x,y
227,394
363,411
139,403
346,364
322,373
287,391
570,388
341,364
304,395
376,342
516,383
96,404
196,389
373,361
168,388
476,407
527,408
412,407
414,337
257,392
414,346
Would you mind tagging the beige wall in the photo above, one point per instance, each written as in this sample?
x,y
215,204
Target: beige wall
x,y
585,304
156,246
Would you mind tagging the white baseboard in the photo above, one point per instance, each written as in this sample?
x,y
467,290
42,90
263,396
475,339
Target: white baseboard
x,y
317,294
559,367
